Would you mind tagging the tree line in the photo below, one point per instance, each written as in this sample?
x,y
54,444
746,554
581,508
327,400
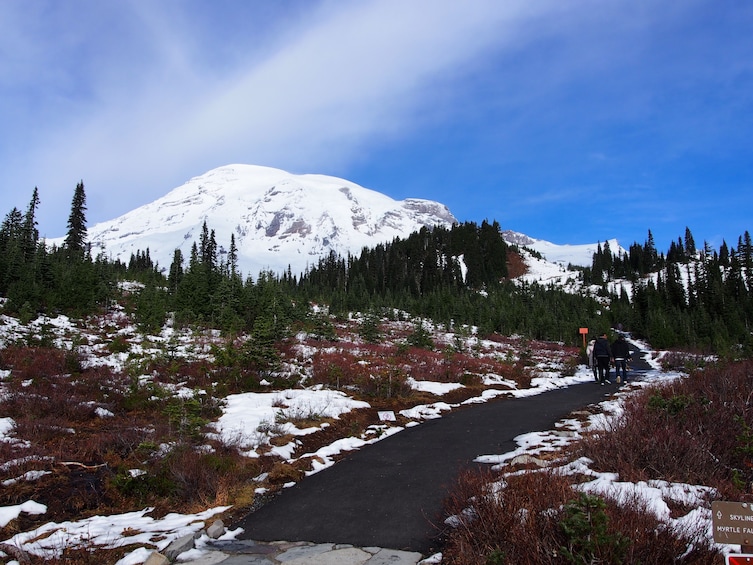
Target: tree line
x,y
36,278
695,297
688,297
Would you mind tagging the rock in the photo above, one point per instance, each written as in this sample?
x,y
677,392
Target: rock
x,y
157,559
216,530
178,546
394,557
343,556
526,459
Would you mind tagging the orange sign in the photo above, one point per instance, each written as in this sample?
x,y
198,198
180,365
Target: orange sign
x,y
583,332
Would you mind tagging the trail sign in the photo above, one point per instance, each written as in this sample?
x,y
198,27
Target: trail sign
x,y
732,522
584,333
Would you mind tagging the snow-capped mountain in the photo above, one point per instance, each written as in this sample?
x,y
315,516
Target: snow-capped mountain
x,y
279,219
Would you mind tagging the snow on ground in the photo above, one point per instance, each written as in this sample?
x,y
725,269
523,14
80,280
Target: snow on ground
x,y
545,272
115,531
656,496
247,418
581,255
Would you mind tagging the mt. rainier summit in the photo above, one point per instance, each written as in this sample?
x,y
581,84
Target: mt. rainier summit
x,y
279,219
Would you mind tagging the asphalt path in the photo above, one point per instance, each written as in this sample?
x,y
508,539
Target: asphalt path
x,y
390,493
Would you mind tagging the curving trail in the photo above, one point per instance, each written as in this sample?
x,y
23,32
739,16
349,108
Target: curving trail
x,y
390,494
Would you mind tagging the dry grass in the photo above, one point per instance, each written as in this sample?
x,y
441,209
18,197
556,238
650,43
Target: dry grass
x,y
696,430
524,519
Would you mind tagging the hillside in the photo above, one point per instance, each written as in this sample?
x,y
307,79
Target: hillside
x,y
103,420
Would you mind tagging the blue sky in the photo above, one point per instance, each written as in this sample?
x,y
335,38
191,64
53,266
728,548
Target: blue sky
x,y
572,122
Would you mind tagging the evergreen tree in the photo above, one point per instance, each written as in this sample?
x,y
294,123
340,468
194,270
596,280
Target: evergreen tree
x,y
175,275
232,259
650,257
746,257
724,254
30,233
75,238
598,266
690,249
11,249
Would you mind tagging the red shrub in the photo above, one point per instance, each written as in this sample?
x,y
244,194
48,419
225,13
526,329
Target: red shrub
x,y
338,369
33,362
695,430
522,522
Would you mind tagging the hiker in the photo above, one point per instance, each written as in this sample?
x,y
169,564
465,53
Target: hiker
x,y
602,355
621,354
590,359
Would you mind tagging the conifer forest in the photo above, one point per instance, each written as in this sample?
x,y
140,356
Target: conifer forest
x,y
690,296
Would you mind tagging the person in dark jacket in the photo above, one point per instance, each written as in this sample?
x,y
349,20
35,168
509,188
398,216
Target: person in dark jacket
x,y
603,355
621,354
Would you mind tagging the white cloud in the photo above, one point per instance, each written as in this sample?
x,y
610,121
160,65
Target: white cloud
x,y
137,96
150,110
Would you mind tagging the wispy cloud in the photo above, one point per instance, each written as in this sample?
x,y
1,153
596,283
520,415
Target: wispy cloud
x,y
138,101
513,97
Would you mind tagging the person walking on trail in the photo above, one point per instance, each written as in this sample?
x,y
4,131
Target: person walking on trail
x,y
621,354
603,355
590,359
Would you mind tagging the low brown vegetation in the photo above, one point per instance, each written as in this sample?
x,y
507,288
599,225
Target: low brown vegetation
x,y
695,430
88,430
109,441
491,519
537,518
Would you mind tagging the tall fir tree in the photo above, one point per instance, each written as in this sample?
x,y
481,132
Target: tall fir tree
x,y
11,250
232,258
30,233
650,256
690,249
746,256
75,239
175,275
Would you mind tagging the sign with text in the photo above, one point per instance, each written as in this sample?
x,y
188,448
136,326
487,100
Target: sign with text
x,y
732,522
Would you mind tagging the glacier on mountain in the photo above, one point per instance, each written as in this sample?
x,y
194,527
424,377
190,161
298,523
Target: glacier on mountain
x,y
279,219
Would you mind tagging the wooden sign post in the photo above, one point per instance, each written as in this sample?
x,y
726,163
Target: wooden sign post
x,y
584,333
733,523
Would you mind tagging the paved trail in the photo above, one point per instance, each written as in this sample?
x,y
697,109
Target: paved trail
x,y
390,494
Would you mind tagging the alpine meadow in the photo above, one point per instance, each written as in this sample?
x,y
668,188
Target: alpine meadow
x,y
119,377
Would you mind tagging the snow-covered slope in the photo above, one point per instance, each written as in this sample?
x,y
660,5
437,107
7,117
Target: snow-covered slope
x,y
557,263
564,255
278,219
